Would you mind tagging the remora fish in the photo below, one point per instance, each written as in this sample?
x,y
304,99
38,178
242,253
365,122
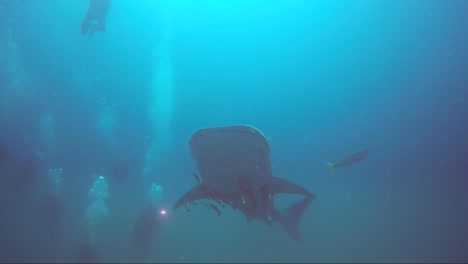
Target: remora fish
x,y
353,158
234,165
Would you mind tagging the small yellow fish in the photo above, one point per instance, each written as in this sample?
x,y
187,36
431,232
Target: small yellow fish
x,y
353,158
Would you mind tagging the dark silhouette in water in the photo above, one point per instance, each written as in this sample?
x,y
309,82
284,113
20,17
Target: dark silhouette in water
x,y
51,211
120,171
351,159
87,254
235,169
3,154
24,177
143,231
95,18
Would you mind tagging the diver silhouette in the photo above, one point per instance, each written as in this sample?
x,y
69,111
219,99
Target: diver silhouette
x,y
94,19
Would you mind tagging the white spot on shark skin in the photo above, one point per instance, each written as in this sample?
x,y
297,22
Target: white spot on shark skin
x,y
243,200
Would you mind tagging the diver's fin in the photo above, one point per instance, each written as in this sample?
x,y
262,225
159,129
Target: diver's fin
x,y
278,185
196,193
331,165
291,217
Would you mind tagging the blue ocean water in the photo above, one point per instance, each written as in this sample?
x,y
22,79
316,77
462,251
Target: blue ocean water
x,y
321,80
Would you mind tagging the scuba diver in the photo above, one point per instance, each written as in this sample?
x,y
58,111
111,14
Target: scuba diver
x,y
87,254
144,228
25,177
94,19
51,211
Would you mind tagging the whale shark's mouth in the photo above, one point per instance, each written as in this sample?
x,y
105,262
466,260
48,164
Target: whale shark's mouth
x,y
231,152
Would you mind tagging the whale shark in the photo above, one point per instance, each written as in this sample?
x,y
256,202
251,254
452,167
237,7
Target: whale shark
x,y
235,171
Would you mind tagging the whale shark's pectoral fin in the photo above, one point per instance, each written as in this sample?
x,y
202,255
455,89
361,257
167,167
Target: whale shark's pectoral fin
x,y
196,193
278,185
291,217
